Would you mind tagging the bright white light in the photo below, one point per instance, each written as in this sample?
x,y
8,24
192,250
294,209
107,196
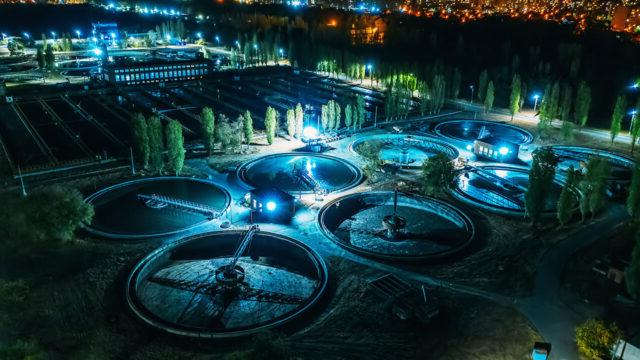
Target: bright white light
x,y
199,35
78,32
309,132
168,37
97,51
469,147
503,150
501,173
271,205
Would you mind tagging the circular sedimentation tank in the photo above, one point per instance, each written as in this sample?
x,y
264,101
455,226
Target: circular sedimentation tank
x,y
181,288
500,189
470,130
418,229
299,172
155,206
576,156
406,150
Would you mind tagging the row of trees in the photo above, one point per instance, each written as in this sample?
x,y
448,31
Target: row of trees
x,y
152,144
585,190
354,114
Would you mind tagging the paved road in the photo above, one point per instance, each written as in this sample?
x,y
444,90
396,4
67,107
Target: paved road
x,y
554,320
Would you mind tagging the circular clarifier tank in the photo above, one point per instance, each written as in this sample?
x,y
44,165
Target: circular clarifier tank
x,y
470,130
155,206
500,189
577,156
406,150
396,226
300,172
186,288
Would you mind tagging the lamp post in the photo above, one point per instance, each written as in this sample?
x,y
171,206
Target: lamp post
x,y
369,67
535,102
78,33
218,40
472,88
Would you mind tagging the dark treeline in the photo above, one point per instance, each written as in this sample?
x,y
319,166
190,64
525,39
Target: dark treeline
x,y
541,53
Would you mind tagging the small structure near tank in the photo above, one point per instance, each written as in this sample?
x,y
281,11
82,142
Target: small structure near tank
x,y
496,149
272,203
393,223
403,300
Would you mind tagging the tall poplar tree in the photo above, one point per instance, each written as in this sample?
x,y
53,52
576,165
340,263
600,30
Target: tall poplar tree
x,y
175,146
208,129
617,116
140,136
514,98
270,124
299,113
156,144
582,104
489,97
541,175
247,127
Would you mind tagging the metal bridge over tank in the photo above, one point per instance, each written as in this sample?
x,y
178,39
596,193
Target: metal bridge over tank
x,y
510,192
305,177
160,201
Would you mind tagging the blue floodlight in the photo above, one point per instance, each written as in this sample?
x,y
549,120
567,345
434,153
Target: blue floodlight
x,y
97,51
53,33
503,150
281,51
168,37
218,39
368,66
635,86
113,35
78,33
199,35
536,96
271,205
469,147
309,132
255,46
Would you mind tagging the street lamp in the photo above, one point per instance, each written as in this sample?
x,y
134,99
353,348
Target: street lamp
x,y
370,67
199,35
238,44
78,33
26,35
53,33
472,88
535,102
218,39
281,51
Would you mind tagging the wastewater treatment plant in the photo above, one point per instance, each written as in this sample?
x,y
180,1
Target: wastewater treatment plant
x,y
179,186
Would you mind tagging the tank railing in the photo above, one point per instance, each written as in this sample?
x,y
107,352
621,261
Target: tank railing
x,y
184,205
247,237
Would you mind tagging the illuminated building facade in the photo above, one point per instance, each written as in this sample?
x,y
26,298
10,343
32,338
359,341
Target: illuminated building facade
x,y
156,72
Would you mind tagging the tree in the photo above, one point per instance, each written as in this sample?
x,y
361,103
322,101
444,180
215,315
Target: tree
x,y
270,124
370,151
40,59
565,106
140,139
482,84
347,116
360,111
633,199
331,115
175,146
438,174
634,127
156,144
324,116
423,95
299,120
291,122
582,104
337,113
567,200
593,186
489,97
554,101
50,57
617,116
632,273
514,99
47,215
595,339
541,175
567,130
247,127
208,129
